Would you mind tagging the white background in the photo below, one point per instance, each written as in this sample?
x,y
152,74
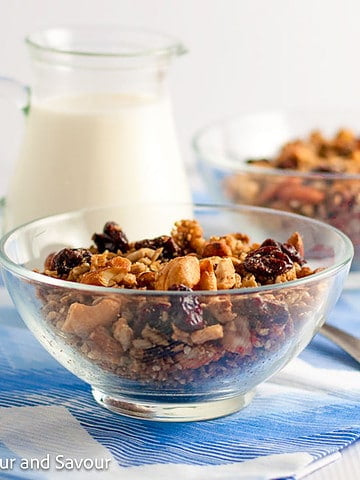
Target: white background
x,y
243,54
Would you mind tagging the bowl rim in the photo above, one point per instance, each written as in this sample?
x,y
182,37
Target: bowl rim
x,y
238,165
42,40
37,277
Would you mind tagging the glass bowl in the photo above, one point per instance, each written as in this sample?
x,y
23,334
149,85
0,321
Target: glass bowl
x,y
162,376
223,148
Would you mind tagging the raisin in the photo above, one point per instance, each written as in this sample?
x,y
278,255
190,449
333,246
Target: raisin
x,y
112,239
169,247
68,258
268,261
186,311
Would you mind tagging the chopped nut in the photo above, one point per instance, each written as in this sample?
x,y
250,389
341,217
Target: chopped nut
x,y
146,280
238,243
207,275
217,248
107,277
301,193
220,308
287,276
180,270
121,263
123,333
237,337
142,344
225,274
154,336
113,270
181,335
188,235
143,253
82,319
199,356
297,241
213,332
103,346
101,260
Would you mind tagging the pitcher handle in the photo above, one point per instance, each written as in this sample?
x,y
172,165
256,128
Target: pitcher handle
x,y
19,94
15,91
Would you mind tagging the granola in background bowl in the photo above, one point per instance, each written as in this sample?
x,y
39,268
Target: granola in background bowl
x,y
314,173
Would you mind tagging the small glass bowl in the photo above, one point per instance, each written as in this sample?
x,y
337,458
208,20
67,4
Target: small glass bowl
x,y
223,148
172,379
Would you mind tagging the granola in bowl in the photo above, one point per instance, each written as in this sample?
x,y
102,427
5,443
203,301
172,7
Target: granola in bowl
x,y
188,335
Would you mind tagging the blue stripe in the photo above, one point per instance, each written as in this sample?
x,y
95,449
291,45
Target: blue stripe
x,y
292,420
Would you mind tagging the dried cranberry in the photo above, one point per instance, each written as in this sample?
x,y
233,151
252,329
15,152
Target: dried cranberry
x,y
276,312
265,312
286,248
270,242
292,253
112,239
186,311
156,315
169,247
268,261
68,258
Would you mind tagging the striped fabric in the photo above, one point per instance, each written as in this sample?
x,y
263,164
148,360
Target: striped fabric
x,y
311,407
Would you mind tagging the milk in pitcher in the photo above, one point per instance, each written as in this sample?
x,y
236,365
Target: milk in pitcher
x,y
94,150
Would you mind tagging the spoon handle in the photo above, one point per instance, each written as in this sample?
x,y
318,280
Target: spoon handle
x,y
347,342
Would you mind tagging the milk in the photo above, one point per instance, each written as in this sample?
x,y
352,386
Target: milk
x,y
94,150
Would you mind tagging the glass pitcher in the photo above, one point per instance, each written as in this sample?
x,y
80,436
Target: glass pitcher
x,y
99,125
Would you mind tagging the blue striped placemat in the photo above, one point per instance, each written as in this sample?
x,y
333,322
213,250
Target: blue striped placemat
x,y
296,412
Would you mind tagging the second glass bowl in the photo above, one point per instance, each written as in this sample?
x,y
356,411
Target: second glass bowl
x,y
223,149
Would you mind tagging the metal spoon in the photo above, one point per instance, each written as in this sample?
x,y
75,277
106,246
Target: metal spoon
x,y
347,342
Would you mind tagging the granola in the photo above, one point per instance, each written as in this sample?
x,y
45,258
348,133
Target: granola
x,y
165,328
327,187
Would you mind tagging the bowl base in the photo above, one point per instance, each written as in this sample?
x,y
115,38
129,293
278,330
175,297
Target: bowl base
x,y
171,411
